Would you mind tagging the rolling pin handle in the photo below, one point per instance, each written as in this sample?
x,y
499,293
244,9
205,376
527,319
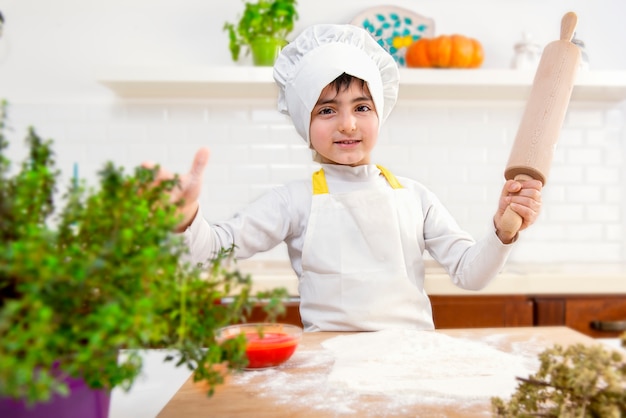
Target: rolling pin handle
x,y
568,26
511,221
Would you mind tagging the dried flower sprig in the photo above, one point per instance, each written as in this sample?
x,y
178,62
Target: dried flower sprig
x,y
576,381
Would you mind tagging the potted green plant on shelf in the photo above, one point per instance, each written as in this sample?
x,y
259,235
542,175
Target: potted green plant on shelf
x,y
263,29
100,274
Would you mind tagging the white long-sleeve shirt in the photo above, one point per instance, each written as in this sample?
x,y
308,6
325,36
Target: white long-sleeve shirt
x,y
282,214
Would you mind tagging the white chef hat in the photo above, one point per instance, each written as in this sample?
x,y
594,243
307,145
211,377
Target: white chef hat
x,y
319,55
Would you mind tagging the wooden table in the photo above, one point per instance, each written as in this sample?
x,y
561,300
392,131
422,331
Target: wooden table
x,y
247,395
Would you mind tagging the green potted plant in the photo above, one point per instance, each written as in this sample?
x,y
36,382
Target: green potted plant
x,y
263,29
100,274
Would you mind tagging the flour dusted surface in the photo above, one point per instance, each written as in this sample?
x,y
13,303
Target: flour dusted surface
x,y
426,362
394,370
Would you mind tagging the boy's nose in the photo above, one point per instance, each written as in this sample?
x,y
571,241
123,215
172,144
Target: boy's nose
x,y
347,123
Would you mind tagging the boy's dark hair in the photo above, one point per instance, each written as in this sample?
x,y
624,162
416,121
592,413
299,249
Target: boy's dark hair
x,y
344,80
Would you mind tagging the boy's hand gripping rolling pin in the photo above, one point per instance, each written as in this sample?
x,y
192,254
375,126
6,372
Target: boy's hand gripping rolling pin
x,y
543,116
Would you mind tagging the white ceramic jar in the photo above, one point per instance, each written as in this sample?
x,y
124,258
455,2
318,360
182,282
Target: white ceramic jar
x,y
527,54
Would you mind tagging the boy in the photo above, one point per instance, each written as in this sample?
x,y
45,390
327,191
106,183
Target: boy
x,y
355,233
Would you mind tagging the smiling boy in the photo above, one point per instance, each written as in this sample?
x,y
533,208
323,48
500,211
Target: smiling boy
x,y
356,235
344,123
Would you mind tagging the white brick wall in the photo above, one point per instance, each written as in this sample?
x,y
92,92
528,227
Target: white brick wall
x,y
457,149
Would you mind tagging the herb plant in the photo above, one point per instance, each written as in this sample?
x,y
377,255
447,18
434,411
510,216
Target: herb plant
x,y
579,381
265,18
102,273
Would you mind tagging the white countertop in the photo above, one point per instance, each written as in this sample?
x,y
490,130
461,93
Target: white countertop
x,y
152,390
526,279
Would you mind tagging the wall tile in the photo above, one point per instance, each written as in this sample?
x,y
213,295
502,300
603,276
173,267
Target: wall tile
x,y
250,174
285,133
615,194
582,194
269,153
283,173
584,156
85,133
123,133
569,213
186,113
230,153
267,115
234,113
614,231
391,154
603,175
603,213
146,112
217,173
250,134
584,118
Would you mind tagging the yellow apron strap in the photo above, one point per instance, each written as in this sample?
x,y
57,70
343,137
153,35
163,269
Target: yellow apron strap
x,y
321,187
391,179
319,182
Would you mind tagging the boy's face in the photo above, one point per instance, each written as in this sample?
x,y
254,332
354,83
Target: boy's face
x,y
344,125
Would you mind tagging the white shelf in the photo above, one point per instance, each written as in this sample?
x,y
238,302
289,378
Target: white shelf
x,y
191,82
416,84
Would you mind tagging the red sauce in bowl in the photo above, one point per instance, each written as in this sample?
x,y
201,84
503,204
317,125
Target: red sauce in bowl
x,y
267,344
270,350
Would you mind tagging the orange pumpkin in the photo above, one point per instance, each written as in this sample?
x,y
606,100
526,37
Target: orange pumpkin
x,y
416,54
439,51
445,51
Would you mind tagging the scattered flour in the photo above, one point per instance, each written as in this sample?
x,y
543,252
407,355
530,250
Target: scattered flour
x,y
404,361
395,369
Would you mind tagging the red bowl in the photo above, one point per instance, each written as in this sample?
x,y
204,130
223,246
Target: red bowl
x,y
268,345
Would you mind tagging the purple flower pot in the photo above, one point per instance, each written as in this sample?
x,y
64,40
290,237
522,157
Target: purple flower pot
x,y
82,402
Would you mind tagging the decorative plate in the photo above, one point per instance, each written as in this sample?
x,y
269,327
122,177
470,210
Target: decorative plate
x,y
395,28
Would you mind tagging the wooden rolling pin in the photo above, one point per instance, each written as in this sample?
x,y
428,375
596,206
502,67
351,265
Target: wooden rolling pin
x,y
538,132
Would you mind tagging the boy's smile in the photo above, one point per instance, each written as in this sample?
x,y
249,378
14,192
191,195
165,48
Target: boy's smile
x,y
344,124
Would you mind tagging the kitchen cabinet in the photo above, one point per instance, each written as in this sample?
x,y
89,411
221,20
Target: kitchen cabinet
x,y
482,311
599,316
448,311
237,82
291,315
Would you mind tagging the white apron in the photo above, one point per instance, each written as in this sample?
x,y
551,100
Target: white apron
x,y
362,267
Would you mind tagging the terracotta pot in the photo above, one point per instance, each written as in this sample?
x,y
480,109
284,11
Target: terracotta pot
x,y
265,49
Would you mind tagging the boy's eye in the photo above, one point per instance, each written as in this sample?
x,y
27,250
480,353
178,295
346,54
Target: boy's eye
x,y
325,111
363,108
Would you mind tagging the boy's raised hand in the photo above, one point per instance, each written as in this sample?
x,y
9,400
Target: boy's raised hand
x,y
524,197
189,188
